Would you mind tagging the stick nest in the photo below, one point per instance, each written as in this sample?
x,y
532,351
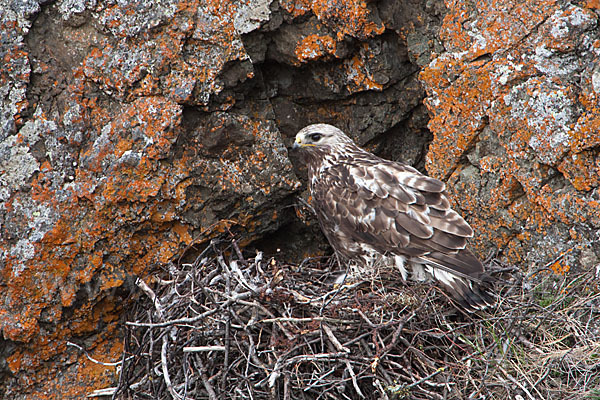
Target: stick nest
x,y
227,326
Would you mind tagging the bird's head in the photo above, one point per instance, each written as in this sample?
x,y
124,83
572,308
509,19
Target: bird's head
x,y
320,136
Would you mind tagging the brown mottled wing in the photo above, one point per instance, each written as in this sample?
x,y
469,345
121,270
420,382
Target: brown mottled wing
x,y
396,209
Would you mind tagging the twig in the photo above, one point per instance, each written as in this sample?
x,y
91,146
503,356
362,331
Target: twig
x,y
339,347
353,376
437,371
165,368
239,276
227,322
205,381
111,391
298,359
334,340
286,387
302,320
381,390
238,252
516,382
320,379
92,359
146,289
314,357
197,349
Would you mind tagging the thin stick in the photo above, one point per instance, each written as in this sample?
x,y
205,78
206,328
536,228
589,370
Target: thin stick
x,y
150,293
109,364
165,368
516,382
301,320
339,347
205,381
198,349
381,389
334,340
439,370
353,376
315,357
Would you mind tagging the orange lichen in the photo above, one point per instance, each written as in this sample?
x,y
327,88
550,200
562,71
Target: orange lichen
x,y
487,32
459,115
560,266
593,4
116,215
314,47
296,7
350,17
183,232
359,76
582,170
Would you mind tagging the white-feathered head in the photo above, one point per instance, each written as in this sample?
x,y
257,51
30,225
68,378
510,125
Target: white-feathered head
x,y
320,136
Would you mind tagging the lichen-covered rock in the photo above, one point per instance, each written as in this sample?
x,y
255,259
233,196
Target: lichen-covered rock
x,y
15,71
110,168
132,130
515,120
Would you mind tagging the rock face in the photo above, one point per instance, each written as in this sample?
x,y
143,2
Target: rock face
x,y
132,131
514,101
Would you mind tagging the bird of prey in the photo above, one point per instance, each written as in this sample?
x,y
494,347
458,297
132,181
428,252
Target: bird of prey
x,y
374,211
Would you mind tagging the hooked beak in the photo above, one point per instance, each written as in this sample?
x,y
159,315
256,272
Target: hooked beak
x,y
297,144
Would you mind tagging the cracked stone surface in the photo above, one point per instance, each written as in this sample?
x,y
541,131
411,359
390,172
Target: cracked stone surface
x,y
132,129
515,121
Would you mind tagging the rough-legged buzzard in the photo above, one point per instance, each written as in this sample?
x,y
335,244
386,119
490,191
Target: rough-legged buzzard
x,y
374,210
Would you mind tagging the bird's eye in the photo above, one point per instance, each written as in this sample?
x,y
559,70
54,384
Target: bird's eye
x,y
315,137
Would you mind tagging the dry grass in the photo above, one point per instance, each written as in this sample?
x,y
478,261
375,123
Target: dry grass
x,y
231,327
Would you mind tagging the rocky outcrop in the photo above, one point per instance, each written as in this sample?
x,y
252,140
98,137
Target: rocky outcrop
x,y
132,131
515,117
